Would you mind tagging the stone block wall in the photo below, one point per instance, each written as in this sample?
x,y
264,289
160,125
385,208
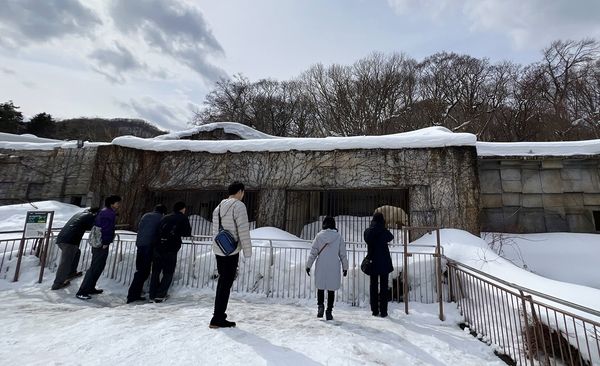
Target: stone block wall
x,y
544,194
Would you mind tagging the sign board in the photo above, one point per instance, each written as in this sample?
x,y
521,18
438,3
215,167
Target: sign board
x,y
36,224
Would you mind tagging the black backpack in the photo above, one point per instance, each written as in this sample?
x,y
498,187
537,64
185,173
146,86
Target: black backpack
x,y
168,232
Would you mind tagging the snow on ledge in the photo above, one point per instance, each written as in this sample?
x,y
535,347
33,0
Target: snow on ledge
x,y
234,128
561,148
423,138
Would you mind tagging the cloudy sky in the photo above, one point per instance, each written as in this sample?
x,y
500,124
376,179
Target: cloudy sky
x,y
157,59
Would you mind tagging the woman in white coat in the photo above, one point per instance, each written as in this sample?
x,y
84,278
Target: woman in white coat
x,y
329,251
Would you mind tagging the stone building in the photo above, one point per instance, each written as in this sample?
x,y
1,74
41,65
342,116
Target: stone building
x,y
540,187
435,176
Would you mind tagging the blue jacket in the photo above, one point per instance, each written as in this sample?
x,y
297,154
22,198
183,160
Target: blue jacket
x,y
148,230
377,238
106,220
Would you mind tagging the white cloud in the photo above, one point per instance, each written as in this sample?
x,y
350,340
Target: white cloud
x,y
168,116
32,21
531,23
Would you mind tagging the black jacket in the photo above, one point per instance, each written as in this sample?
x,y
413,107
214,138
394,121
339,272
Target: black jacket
x,y
172,228
74,229
377,238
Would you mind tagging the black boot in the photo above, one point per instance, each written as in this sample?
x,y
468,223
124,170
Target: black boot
x,y
320,301
330,301
328,315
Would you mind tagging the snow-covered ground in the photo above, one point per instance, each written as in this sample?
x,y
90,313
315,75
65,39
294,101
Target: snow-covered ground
x,y
53,327
43,327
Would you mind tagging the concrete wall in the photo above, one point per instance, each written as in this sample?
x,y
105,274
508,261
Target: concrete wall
x,y
442,182
543,194
36,175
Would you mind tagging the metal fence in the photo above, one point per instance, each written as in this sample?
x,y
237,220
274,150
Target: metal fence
x,y
276,269
527,326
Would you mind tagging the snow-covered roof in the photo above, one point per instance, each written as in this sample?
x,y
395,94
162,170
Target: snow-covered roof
x,y
253,140
234,128
562,148
31,142
24,138
423,138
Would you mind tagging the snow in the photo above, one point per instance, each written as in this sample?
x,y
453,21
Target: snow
x,y
234,128
24,138
562,148
253,140
475,252
423,138
12,217
545,255
64,330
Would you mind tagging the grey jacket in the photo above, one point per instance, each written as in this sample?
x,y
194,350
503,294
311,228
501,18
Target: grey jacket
x,y
234,219
327,269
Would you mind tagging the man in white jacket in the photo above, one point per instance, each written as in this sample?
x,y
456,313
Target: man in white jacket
x,y
232,215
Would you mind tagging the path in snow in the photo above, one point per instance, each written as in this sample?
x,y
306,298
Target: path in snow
x,y
53,327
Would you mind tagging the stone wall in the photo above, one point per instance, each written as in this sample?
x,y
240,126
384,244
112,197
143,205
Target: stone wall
x,y
37,175
442,182
543,194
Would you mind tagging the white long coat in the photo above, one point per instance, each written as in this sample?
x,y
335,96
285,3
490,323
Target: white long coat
x,y
327,268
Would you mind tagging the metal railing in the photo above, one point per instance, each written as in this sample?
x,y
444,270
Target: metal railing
x,y
276,269
527,326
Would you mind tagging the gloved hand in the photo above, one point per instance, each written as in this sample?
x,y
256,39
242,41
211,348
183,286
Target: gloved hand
x,y
345,272
308,271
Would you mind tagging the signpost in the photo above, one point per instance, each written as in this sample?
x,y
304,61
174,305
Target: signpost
x,y
38,225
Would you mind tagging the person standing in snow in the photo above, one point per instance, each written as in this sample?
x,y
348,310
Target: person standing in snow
x,y
146,240
171,229
232,215
106,221
329,250
68,241
377,238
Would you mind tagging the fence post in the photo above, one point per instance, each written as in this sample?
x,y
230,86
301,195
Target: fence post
x,y
270,269
405,271
438,262
528,339
355,299
112,275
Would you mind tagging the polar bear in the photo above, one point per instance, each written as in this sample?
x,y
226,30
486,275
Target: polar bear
x,y
395,217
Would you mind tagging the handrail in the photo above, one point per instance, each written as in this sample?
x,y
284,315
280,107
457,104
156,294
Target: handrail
x,y
528,290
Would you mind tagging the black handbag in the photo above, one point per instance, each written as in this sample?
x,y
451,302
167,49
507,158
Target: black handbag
x,y
366,265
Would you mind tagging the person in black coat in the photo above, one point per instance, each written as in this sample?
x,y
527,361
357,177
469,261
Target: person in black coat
x,y
377,238
68,241
171,228
147,239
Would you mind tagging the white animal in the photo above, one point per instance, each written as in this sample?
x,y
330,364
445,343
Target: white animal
x,y
395,217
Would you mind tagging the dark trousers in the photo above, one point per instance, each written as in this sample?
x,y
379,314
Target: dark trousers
x,y
143,264
330,298
378,293
69,260
227,268
163,263
93,273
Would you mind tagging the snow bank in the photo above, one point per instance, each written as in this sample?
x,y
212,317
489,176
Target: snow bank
x,y
562,148
24,138
12,217
423,138
234,128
